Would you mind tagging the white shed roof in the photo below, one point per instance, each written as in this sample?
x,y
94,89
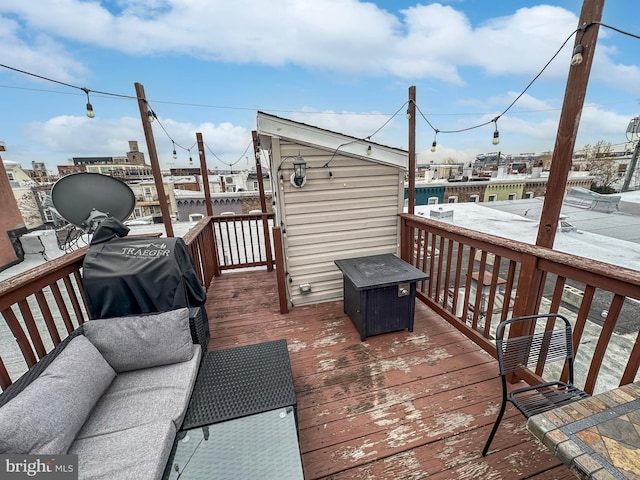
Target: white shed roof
x,y
272,126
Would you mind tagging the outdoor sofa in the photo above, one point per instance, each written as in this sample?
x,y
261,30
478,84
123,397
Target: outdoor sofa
x,y
114,392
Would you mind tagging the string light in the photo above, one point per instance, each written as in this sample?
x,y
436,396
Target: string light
x,y
90,112
369,150
174,154
496,134
151,115
433,145
577,55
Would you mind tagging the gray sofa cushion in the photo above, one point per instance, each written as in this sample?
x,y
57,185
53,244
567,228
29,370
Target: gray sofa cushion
x,y
47,415
137,453
144,396
131,343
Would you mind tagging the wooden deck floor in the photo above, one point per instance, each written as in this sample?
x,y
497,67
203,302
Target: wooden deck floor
x,y
398,406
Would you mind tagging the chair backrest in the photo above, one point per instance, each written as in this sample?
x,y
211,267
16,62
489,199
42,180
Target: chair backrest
x,y
548,343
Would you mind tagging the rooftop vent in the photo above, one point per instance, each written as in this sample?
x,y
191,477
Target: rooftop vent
x,y
442,214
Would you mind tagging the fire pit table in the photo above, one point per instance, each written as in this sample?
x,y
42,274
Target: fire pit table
x,y
379,293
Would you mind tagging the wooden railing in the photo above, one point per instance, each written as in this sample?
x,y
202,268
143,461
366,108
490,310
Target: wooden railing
x,y
49,296
244,240
477,280
43,305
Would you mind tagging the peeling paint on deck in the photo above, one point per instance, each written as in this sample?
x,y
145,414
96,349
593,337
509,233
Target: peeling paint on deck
x,y
450,422
356,453
294,345
402,435
477,470
329,340
453,456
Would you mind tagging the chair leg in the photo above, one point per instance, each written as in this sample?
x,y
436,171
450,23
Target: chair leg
x,y
494,429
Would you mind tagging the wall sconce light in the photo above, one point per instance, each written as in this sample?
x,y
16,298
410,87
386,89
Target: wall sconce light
x,y
299,175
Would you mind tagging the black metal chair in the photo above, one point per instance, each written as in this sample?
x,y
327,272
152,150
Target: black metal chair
x,y
553,344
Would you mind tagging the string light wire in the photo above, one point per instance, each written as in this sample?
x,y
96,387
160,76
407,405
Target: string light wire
x,y
153,115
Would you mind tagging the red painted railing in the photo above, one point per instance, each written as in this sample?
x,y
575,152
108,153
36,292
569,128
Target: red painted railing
x,y
477,280
43,305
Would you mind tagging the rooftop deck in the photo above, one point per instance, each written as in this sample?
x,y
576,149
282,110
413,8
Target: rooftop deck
x,y
399,406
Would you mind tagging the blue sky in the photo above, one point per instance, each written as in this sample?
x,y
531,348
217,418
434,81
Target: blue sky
x,y
209,65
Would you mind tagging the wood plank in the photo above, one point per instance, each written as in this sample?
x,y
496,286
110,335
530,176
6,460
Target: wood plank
x,y
399,405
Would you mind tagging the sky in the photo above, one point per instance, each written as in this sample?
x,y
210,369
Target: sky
x,y
345,65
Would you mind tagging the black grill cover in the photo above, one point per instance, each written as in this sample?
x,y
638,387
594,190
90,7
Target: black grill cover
x,y
128,276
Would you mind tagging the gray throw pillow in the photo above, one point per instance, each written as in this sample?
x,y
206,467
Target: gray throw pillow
x,y
46,416
131,343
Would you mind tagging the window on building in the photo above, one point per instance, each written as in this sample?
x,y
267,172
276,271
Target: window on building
x,y
512,196
432,201
452,199
492,197
528,195
147,190
48,216
474,198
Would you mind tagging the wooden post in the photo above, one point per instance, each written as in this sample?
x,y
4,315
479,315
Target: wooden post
x,y
280,272
263,201
569,121
205,174
153,158
411,110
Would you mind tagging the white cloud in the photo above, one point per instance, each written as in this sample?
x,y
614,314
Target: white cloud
x,y
76,136
524,42
618,76
597,123
40,54
84,136
425,41
358,125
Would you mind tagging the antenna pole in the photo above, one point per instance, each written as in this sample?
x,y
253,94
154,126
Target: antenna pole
x,y
153,158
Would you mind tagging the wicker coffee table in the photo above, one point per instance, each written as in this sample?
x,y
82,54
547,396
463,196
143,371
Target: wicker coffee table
x,y
241,381
242,418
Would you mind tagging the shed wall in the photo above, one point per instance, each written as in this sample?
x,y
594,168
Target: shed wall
x,y
347,208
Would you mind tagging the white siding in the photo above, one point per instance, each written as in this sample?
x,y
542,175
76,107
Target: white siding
x,y
351,213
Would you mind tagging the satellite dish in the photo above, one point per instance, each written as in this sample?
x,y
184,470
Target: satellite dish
x,y
87,199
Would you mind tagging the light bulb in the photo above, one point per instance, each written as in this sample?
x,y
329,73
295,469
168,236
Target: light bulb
x,y
190,159
90,113
433,146
408,114
175,154
496,138
150,115
577,56
369,150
